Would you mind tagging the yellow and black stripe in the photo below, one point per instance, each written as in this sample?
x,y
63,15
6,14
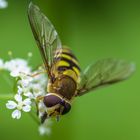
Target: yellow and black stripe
x,y
67,63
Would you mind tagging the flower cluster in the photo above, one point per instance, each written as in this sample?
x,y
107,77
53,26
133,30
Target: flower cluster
x,y
29,85
24,105
3,4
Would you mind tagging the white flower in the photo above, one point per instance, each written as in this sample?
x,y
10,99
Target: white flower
x,y
21,105
45,128
36,87
17,66
1,64
41,109
25,80
29,95
3,4
20,90
28,87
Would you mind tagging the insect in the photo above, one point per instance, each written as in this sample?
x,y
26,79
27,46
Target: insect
x,y
65,79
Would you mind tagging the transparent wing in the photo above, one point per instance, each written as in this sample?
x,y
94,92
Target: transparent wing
x,y
45,35
104,72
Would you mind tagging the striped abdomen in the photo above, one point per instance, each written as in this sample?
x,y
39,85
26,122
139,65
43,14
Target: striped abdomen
x,y
66,72
66,63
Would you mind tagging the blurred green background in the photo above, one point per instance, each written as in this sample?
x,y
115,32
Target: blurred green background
x,y
93,30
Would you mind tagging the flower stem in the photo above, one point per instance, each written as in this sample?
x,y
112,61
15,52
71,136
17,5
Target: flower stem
x,y
7,80
6,96
34,117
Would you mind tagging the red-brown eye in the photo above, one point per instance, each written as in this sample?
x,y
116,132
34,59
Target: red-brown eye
x,y
51,100
67,108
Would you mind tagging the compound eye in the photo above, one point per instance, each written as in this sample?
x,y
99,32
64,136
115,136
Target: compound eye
x,y
67,108
51,100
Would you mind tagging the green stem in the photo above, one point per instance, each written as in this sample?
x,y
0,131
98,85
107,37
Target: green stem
x,y
6,96
7,80
34,117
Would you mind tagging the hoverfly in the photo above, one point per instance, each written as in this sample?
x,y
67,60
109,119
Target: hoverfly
x,y
65,80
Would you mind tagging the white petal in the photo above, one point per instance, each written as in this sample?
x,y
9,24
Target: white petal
x,y
43,130
26,108
18,98
20,90
29,94
16,114
15,66
24,83
11,105
1,64
3,4
27,101
14,73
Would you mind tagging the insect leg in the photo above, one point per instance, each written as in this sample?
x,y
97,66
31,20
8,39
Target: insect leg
x,y
34,75
44,117
38,99
57,118
38,73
